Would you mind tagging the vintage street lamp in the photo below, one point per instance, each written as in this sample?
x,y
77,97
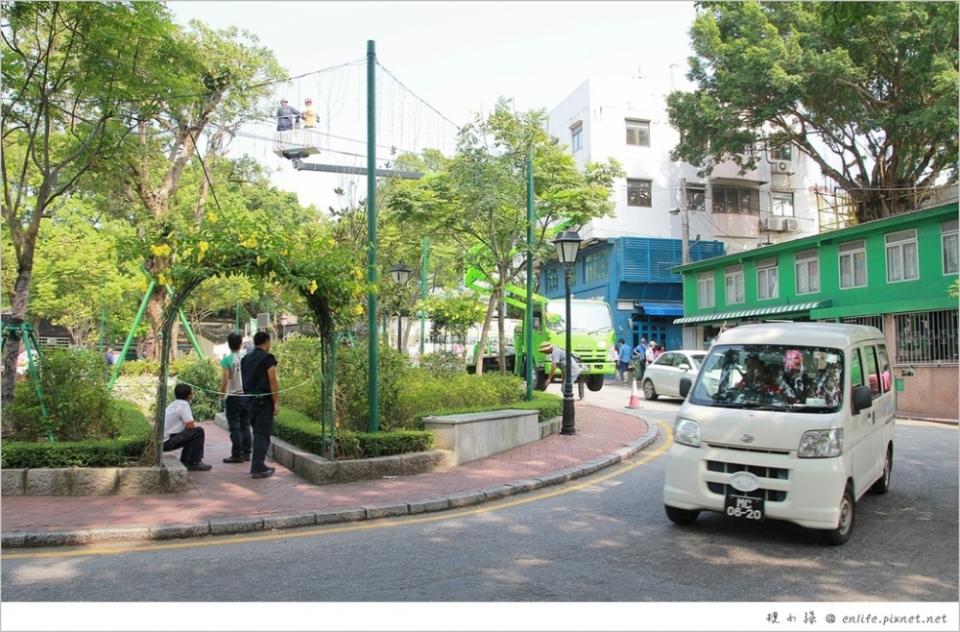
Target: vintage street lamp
x,y
400,274
567,244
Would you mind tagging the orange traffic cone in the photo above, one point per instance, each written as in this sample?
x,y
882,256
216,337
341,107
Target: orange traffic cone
x,y
634,398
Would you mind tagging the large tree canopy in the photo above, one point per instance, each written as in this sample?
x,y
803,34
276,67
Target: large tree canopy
x,y
868,90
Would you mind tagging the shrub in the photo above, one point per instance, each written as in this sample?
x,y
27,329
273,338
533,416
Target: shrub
x,y
140,367
298,361
304,433
428,394
352,404
443,363
132,436
205,375
298,429
76,397
547,406
181,364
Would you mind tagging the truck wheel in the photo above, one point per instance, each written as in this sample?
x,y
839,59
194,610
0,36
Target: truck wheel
x,y
836,537
649,392
541,380
882,486
594,382
681,516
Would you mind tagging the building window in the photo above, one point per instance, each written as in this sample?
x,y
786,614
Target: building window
x,y
576,137
781,204
740,200
767,279
902,262
783,152
705,293
696,197
948,239
734,285
638,132
927,337
869,321
595,267
808,272
552,282
639,192
853,265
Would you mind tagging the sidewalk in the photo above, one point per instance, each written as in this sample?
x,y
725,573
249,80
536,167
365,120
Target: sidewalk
x,y
228,492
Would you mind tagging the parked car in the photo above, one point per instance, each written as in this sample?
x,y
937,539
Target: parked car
x,y
788,421
662,376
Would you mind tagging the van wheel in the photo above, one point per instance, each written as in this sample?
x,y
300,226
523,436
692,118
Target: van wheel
x,y
882,486
649,392
681,516
594,382
841,534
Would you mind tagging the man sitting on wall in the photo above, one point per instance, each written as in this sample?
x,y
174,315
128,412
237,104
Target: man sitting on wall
x,y
181,431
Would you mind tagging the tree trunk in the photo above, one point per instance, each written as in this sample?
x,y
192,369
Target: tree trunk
x,y
21,297
406,332
174,337
502,330
482,344
328,357
155,309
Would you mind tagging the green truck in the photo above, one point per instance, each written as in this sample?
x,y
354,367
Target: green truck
x,y
592,335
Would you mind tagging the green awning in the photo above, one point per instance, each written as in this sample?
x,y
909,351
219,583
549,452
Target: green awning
x,y
773,310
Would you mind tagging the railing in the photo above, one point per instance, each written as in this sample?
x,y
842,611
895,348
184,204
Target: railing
x,y
927,338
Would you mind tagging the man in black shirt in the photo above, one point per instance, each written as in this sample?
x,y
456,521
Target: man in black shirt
x,y
259,372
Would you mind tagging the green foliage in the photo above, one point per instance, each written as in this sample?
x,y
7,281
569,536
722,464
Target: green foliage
x,y
868,90
547,406
133,433
954,289
455,312
140,367
427,394
303,432
300,430
443,363
204,374
76,398
299,361
352,373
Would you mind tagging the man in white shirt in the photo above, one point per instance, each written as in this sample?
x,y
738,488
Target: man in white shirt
x,y
181,431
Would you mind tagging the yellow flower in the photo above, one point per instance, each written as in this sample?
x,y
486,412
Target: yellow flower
x,y
202,248
142,286
358,309
312,287
160,251
212,217
162,279
250,242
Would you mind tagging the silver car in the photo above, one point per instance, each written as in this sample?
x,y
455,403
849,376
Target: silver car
x,y
662,376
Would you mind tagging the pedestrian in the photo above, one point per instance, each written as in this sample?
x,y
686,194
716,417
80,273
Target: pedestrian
x,y
235,404
181,431
258,370
308,115
286,116
640,359
616,360
658,351
625,353
558,360
110,357
651,351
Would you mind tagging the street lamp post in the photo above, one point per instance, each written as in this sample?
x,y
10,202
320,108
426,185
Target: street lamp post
x,y
400,274
568,246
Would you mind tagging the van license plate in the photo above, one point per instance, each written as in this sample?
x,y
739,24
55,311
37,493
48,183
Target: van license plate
x,y
746,507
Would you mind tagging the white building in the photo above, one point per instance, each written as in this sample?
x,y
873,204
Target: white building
x,y
626,119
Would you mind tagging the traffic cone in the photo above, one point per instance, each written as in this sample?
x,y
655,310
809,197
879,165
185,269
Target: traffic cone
x,y
634,398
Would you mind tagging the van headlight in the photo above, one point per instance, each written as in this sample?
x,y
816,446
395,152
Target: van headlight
x,y
687,432
820,444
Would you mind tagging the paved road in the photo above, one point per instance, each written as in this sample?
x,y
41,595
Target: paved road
x,y
603,538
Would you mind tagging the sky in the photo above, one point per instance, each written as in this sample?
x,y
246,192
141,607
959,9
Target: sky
x,y
461,56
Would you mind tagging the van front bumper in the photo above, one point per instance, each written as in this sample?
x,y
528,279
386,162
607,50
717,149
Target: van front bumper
x,y
803,491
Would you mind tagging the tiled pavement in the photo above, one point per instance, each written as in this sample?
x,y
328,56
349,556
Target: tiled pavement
x,y
228,490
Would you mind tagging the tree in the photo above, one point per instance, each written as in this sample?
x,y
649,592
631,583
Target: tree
x,y
477,199
70,73
867,90
454,312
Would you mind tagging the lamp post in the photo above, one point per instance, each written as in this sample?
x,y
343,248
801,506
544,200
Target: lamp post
x,y
568,246
400,273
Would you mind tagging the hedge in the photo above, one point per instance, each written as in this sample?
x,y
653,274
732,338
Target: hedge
x,y
547,406
132,439
304,433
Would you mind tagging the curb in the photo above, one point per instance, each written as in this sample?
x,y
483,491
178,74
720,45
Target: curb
x,y
290,520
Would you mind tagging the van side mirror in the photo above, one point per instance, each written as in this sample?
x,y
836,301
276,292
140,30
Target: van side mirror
x,y
685,385
862,399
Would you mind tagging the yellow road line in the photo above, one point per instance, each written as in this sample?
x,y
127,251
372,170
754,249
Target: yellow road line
x,y
94,550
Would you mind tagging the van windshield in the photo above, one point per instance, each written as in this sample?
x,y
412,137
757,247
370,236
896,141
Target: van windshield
x,y
588,317
771,377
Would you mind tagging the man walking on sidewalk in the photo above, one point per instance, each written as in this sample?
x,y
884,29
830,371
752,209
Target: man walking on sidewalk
x,y
258,370
235,404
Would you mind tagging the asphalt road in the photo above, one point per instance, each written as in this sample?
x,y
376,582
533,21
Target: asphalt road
x,y
604,538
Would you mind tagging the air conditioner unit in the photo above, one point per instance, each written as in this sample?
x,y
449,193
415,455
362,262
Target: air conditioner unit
x,y
772,224
790,224
781,166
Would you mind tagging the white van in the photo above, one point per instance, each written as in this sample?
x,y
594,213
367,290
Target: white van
x,y
792,421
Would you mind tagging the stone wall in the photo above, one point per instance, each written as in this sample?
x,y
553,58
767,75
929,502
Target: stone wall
x,y
96,481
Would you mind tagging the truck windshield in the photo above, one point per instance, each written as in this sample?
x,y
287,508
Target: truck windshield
x,y
771,377
589,317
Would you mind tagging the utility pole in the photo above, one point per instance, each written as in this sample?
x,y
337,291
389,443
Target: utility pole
x,y
528,316
373,392
685,220
424,268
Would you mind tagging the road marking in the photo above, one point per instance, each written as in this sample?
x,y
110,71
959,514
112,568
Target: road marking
x,y
136,547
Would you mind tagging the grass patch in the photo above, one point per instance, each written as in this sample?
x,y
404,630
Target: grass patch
x,y
133,435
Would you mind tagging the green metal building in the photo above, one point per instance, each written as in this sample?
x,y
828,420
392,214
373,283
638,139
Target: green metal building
x,y
893,274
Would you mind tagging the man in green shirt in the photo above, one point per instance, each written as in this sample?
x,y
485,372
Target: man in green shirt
x,y
236,406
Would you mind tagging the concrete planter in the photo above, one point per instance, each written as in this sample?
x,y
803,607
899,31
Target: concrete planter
x,y
97,481
473,436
